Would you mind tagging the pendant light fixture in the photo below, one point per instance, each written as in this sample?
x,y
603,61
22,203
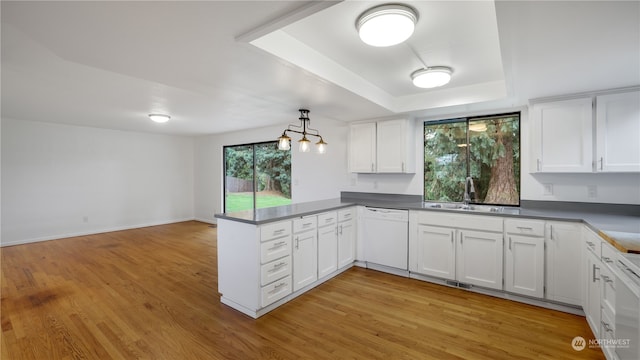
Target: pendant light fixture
x,y
304,144
431,77
386,25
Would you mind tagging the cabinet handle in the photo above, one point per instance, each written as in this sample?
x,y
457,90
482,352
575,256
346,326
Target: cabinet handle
x,y
461,237
297,242
606,326
528,228
591,244
607,259
509,242
551,231
538,164
340,229
371,167
278,245
601,163
452,237
593,276
277,267
307,224
606,278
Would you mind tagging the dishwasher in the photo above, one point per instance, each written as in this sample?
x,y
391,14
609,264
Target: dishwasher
x,y
386,237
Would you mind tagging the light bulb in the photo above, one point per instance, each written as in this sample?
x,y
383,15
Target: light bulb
x,y
304,144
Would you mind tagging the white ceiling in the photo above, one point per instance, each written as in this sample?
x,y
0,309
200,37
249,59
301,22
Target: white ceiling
x,y
109,64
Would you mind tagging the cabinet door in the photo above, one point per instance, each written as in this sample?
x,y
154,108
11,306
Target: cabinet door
x,y
618,132
479,258
346,243
327,250
562,136
525,265
392,146
563,262
592,300
305,259
435,247
362,148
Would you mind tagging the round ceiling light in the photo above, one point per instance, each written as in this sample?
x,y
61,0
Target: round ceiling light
x,y
431,77
159,118
386,25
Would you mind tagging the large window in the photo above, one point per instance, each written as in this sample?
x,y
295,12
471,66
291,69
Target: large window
x,y
487,149
256,176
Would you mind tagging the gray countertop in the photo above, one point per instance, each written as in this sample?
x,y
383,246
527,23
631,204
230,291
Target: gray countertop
x,y
611,225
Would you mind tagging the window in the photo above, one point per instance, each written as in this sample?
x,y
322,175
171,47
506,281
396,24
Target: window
x,y
485,148
256,176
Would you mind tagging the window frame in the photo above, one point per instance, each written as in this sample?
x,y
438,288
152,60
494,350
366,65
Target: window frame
x,y
467,120
254,176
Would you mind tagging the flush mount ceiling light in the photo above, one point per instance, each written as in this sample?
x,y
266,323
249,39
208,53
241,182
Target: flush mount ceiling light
x,y
386,25
159,118
284,141
431,77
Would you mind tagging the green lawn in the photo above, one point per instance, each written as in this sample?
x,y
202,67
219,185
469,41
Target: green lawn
x,y
244,201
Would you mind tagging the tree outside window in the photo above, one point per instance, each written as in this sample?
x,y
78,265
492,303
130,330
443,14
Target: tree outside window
x,y
485,148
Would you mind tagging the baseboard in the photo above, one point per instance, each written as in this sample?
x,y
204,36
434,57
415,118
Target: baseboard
x,y
93,232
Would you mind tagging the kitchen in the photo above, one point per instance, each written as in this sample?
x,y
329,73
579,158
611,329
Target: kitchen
x,y
178,169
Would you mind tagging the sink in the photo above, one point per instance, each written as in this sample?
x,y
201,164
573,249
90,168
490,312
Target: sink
x,y
472,207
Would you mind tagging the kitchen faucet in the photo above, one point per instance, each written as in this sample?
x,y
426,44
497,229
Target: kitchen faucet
x,y
469,191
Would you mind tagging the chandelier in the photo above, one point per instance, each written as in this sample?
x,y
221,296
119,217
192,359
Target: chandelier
x,y
304,145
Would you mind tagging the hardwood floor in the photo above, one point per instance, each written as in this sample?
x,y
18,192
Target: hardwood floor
x,y
151,293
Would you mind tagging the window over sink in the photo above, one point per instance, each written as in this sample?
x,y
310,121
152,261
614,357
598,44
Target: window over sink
x,y
485,149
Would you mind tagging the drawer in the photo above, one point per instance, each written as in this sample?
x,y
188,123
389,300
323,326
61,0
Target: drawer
x,y
275,270
305,223
275,230
461,221
276,291
275,249
347,214
609,254
327,219
524,227
608,286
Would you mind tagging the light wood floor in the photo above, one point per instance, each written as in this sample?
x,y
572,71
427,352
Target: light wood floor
x,y
151,293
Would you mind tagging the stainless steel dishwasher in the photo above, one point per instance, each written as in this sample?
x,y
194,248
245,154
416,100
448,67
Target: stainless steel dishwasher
x,y
386,237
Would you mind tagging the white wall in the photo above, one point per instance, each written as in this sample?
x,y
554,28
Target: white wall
x,y
313,176
61,180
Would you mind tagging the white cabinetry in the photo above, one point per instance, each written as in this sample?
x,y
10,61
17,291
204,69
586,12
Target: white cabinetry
x,y
382,147
524,257
466,248
563,262
562,136
346,237
362,148
305,252
327,244
592,293
618,132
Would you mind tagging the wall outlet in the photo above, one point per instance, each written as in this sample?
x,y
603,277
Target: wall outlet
x,y
548,189
592,191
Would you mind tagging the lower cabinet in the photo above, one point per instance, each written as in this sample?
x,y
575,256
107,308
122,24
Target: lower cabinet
x,y
563,262
453,253
305,259
346,238
479,258
327,244
436,252
524,257
592,307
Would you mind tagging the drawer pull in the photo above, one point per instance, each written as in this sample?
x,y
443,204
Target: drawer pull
x,y
307,224
593,276
607,259
278,232
277,245
606,278
591,244
606,327
277,267
277,288
328,220
528,228
347,215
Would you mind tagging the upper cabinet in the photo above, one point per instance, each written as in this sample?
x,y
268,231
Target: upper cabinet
x,y
563,137
618,132
382,147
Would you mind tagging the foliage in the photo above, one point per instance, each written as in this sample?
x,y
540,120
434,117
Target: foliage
x,y
273,166
446,150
